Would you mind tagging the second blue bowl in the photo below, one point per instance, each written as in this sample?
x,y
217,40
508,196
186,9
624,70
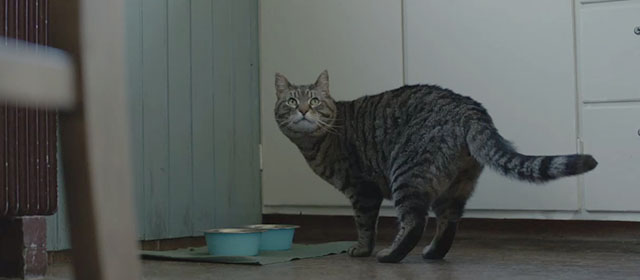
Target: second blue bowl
x,y
275,237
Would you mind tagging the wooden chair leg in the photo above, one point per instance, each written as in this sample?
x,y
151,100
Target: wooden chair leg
x,y
95,142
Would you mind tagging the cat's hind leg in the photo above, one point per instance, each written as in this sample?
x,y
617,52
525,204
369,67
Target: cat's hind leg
x,y
443,239
449,210
412,204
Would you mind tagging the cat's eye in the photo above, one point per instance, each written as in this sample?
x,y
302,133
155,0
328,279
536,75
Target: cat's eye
x,y
292,102
314,101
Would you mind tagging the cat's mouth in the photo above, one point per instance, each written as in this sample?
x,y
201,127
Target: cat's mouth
x,y
303,119
303,125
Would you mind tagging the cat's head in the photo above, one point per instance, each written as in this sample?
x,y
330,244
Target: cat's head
x,y
304,110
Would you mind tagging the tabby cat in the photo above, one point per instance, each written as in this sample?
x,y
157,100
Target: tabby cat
x,y
421,146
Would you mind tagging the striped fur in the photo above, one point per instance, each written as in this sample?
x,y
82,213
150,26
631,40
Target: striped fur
x,y
421,146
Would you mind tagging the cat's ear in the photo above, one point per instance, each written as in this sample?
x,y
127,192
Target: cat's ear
x,y
282,85
322,83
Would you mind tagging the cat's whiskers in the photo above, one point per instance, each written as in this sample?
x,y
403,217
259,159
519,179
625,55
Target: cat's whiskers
x,y
328,130
333,123
284,123
327,127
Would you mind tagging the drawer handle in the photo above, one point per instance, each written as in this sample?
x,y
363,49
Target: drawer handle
x,y
637,30
638,132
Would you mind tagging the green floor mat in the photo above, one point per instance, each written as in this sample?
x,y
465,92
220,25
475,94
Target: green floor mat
x,y
298,251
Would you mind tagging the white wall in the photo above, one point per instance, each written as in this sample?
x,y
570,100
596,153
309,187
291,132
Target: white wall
x,y
519,58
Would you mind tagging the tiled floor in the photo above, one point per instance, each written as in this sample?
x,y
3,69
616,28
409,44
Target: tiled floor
x,y
469,259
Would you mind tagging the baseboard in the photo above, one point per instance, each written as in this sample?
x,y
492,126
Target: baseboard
x,y
388,211
321,228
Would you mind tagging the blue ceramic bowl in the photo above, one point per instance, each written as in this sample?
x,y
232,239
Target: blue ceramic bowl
x,y
233,241
275,237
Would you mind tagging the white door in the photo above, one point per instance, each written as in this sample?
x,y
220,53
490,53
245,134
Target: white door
x,y
517,58
358,41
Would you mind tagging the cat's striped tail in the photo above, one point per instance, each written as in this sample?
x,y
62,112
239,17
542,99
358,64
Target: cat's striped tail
x,y
488,147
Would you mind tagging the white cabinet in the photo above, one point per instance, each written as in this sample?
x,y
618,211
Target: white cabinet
x,y
609,51
358,41
609,78
517,58
612,134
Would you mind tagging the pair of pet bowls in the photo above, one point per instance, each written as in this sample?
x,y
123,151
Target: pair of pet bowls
x,y
249,240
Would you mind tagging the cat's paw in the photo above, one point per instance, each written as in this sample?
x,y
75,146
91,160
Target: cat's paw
x,y
359,251
387,256
429,253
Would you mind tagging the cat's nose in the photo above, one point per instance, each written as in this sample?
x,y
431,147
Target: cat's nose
x,y
303,109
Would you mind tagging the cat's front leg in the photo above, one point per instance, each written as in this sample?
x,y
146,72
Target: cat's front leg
x,y
366,201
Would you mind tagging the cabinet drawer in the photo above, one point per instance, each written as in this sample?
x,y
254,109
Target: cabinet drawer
x,y
609,51
612,134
